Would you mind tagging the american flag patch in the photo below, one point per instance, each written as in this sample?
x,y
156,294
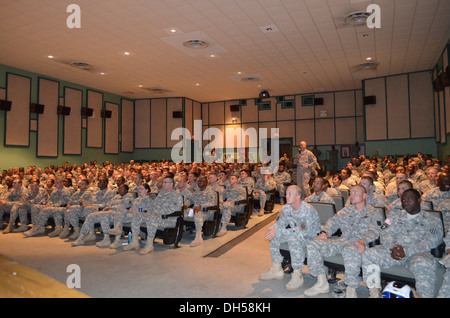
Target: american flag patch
x,y
388,222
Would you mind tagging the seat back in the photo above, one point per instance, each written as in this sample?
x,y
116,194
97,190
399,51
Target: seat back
x,y
338,202
439,250
345,194
325,210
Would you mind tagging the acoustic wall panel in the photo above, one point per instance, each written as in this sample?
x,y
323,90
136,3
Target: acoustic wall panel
x,y
142,123
249,112
158,123
173,104
345,103
305,131
217,113
94,133
47,135
112,129
397,107
345,130
421,105
324,131
376,125
18,91
73,98
127,131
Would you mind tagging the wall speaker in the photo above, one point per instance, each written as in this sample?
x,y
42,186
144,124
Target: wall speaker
x,y
437,85
37,108
445,79
63,110
370,100
106,113
5,105
88,112
234,108
177,114
318,101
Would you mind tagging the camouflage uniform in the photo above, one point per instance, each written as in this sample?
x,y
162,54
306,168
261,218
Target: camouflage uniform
x,y
12,198
165,203
444,291
305,165
436,196
21,209
74,205
355,226
282,179
294,227
374,199
55,209
322,197
204,199
105,218
444,207
263,186
123,216
232,195
98,200
417,236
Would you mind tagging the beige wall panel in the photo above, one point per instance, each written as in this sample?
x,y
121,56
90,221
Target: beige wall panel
x,y
72,124
345,131
328,105
173,104
345,103
158,121
376,114
304,131
127,142
112,129
287,129
303,112
142,123
216,113
421,105
324,131
286,113
249,112
94,133
17,131
47,136
397,106
268,115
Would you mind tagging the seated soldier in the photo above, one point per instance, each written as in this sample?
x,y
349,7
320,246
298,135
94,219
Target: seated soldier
x,y
319,194
298,222
166,202
122,200
18,194
264,184
231,196
441,192
283,179
406,240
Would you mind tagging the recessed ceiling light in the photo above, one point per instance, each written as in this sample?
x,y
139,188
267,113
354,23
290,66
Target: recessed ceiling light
x,y
127,53
140,85
50,56
239,73
368,58
102,73
173,30
197,84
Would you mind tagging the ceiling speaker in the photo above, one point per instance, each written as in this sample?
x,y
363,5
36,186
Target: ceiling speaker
x,y
177,114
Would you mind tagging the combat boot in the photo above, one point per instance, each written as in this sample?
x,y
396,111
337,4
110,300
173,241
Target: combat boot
x,y
65,232
117,242
106,242
275,272
222,231
58,229
117,230
321,287
133,245
148,248
198,239
90,236
296,280
79,241
374,292
35,230
75,234
21,228
9,228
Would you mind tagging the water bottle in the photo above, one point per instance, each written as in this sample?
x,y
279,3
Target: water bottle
x,y
129,237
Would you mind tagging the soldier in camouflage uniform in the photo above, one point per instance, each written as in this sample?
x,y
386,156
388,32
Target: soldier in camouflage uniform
x,y
97,201
122,200
444,291
319,195
441,192
203,198
231,196
54,208
168,201
142,203
17,195
83,194
444,207
298,222
282,179
374,199
36,195
360,225
306,162
264,184
406,240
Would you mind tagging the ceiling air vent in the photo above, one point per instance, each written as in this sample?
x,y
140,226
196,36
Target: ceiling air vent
x,y
368,65
81,65
356,18
250,79
196,44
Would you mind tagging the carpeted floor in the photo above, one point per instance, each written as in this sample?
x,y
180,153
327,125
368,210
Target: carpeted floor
x,y
225,267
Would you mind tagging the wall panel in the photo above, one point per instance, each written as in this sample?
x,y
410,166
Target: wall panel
x,y
112,129
18,91
47,136
73,98
95,122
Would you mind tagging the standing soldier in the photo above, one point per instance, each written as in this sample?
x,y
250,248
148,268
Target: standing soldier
x,y
305,162
298,223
